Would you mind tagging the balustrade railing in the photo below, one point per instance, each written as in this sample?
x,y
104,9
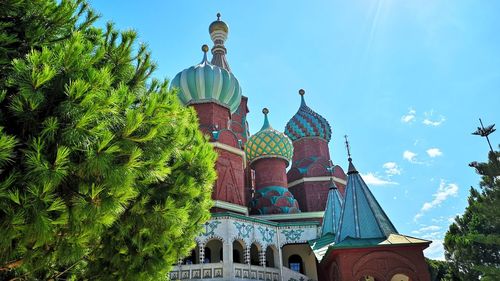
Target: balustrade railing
x,y
214,271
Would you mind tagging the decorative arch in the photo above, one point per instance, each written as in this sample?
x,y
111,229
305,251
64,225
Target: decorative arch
x,y
296,263
210,238
376,275
239,248
359,266
403,270
255,250
213,251
259,244
272,256
400,277
228,137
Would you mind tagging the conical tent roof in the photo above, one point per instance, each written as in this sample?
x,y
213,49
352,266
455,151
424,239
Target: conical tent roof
x,y
362,216
332,211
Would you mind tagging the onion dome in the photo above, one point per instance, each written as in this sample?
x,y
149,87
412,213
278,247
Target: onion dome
x,y
268,143
218,25
205,82
307,123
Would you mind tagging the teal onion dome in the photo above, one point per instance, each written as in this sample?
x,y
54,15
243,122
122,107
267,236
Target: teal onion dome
x,y
268,143
205,83
307,123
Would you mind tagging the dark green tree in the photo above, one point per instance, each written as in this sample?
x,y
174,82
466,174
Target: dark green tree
x,y
104,175
440,270
472,243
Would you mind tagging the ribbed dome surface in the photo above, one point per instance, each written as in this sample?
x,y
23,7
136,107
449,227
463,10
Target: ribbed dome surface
x,y
268,142
307,123
206,82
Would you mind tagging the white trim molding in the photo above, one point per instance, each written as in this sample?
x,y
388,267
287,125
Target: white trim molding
x,y
231,207
230,149
309,179
304,215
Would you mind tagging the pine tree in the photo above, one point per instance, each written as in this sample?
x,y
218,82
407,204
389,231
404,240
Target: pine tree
x,y
472,242
103,174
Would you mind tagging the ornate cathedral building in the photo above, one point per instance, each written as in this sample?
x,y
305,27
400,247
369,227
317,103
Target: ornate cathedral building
x,y
314,222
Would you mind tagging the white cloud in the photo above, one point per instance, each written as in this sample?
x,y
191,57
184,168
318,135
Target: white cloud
x,y
391,168
426,228
372,179
409,117
443,192
429,121
435,250
410,156
434,152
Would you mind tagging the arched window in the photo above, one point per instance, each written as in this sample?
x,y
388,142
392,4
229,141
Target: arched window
x,y
208,255
238,250
213,252
400,277
270,257
254,255
295,263
191,259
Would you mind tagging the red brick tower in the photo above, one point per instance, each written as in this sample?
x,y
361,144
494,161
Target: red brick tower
x,y
309,176
269,152
215,93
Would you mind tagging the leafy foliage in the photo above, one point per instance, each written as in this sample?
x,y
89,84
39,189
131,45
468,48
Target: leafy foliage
x,y
472,242
103,174
440,270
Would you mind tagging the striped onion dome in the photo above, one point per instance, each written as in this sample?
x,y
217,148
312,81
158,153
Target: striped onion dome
x,y
307,123
268,143
205,83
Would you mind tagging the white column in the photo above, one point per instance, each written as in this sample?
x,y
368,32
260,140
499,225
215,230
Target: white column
x,y
227,255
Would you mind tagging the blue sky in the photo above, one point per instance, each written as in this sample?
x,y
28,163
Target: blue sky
x,y
406,80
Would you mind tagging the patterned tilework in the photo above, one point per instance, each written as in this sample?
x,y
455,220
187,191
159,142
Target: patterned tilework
x,y
269,142
307,123
274,200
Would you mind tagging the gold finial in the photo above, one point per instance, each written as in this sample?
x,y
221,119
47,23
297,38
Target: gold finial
x,y
265,110
204,48
218,16
302,92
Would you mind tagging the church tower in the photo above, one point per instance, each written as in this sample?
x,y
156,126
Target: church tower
x,y
269,152
310,174
214,92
